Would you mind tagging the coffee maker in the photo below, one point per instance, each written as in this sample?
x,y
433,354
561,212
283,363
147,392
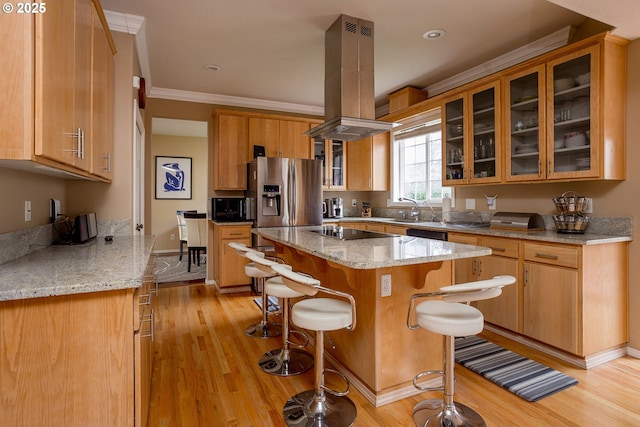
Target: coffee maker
x,y
337,207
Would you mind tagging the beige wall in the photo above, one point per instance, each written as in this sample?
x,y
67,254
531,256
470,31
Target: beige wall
x,y
163,212
18,186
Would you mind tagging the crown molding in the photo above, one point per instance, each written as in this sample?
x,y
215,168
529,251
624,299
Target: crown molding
x,y
546,44
234,101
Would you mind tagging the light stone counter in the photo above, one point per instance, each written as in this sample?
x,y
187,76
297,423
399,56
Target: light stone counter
x,y
375,253
64,270
541,236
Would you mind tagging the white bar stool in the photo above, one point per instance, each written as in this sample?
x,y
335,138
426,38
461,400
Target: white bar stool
x,y
315,407
262,329
450,318
284,361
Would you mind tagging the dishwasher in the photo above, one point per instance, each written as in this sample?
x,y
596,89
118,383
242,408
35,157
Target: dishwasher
x,y
429,234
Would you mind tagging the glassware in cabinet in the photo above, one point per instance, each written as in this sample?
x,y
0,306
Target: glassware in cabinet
x,y
454,146
485,125
525,121
570,110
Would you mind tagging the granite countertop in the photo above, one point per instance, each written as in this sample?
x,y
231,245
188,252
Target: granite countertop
x,y
64,270
540,236
382,252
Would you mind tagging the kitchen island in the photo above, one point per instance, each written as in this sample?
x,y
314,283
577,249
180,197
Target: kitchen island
x,y
381,356
75,324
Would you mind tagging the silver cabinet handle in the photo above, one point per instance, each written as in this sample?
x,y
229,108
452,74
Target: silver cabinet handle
x,y
149,333
546,256
108,159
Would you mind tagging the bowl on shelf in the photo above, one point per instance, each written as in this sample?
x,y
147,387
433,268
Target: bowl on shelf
x,y
563,84
583,79
527,148
575,139
558,143
583,163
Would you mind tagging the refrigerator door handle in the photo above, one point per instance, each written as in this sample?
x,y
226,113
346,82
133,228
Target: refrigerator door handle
x,y
291,193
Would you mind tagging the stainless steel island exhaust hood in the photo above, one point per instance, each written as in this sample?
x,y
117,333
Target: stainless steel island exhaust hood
x,y
349,98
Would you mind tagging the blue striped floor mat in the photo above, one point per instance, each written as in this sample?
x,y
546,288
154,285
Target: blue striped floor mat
x,y
528,379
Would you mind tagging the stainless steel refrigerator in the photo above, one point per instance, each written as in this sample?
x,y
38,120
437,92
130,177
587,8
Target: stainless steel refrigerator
x,y
284,192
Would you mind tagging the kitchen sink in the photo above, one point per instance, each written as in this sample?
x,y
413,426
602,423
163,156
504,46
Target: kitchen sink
x,y
468,225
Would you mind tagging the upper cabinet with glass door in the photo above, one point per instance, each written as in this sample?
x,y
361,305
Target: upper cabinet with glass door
x,y
485,131
471,128
525,142
572,85
333,156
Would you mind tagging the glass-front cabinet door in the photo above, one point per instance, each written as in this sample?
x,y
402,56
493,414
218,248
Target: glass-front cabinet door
x,y
471,128
453,130
484,147
525,143
333,156
572,112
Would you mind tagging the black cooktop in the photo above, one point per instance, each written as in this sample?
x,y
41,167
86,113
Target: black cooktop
x,y
349,233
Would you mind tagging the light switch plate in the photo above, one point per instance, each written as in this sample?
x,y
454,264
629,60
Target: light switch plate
x,y
470,203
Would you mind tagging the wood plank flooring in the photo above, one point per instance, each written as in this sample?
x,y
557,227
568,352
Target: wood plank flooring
x,y
205,373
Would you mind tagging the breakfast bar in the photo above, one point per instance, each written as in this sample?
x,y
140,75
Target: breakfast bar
x,y
381,356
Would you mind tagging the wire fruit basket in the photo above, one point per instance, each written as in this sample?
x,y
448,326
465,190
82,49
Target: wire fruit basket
x,y
571,218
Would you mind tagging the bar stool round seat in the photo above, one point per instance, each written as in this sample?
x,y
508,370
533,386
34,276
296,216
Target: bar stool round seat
x,y
320,407
451,318
262,329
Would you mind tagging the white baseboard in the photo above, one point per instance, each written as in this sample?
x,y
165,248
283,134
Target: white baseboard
x,y
633,352
584,363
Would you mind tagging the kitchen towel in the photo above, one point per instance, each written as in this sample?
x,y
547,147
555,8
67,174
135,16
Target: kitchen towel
x,y
528,379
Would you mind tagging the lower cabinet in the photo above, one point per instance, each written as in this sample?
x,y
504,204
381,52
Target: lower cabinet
x,y
503,310
228,266
571,297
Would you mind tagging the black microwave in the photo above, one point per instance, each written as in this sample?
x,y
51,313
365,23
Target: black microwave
x,y
228,209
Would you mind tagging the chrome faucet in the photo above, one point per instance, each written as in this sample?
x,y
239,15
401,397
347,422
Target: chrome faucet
x,y
415,210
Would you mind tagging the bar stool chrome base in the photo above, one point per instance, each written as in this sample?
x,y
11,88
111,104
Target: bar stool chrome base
x,y
264,330
285,363
432,412
306,410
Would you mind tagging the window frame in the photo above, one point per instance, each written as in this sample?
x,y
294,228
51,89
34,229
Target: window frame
x,y
430,118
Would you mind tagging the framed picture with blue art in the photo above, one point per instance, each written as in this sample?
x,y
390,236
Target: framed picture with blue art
x,y
173,177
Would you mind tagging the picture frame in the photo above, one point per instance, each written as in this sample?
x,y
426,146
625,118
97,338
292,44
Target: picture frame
x,y
173,178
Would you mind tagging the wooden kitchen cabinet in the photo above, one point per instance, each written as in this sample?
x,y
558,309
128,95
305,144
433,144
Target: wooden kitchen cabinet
x,y
52,81
228,266
280,138
102,102
368,163
471,129
571,297
573,91
504,310
229,156
575,297
69,360
334,163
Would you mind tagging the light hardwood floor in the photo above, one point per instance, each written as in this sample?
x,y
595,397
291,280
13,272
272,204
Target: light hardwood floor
x,y
205,373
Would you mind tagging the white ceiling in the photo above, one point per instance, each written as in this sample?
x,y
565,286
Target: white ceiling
x,y
271,52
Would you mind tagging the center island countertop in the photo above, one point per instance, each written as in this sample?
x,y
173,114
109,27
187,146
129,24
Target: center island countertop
x,y
389,251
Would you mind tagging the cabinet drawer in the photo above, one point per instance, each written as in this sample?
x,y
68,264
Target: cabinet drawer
x,y
566,256
466,239
501,247
231,232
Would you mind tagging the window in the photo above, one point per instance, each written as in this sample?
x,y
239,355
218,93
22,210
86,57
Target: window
x,y
417,160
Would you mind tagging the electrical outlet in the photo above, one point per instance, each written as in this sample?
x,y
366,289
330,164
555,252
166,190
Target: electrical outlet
x,y
27,210
385,285
354,203
589,207
470,203
173,236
